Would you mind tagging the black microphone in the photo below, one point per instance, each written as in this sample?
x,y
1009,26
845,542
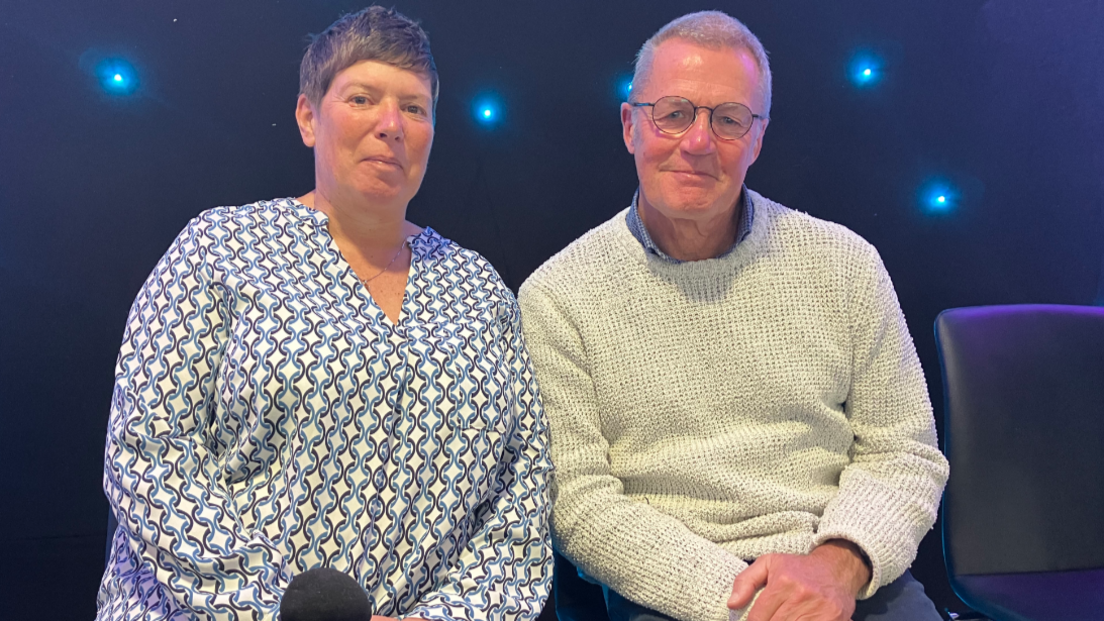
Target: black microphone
x,y
324,594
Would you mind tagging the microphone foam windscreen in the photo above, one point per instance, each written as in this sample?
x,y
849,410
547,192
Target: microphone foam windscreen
x,y
324,594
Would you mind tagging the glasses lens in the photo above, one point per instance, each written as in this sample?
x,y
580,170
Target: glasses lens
x,y
731,120
673,114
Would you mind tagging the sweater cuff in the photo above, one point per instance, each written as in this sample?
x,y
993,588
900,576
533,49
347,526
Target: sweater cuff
x,y
877,570
884,525
741,614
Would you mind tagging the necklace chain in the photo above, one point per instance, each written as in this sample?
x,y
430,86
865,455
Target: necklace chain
x,y
365,281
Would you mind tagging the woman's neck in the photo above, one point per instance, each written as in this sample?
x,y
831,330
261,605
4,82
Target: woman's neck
x,y
369,230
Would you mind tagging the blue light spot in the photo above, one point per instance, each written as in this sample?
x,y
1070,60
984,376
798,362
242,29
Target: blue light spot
x,y
865,76
624,87
116,76
487,110
938,197
865,69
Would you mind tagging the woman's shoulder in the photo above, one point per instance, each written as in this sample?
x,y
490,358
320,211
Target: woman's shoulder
x,y
262,221
256,213
467,267
433,247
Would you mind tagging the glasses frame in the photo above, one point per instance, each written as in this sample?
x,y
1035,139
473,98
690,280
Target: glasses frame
x,y
696,107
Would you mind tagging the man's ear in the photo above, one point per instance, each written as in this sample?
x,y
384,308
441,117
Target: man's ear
x,y
627,127
305,117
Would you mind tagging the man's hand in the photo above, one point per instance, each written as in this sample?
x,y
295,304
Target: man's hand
x,y
820,586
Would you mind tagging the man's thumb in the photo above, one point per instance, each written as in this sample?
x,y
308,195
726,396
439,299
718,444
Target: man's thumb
x,y
746,584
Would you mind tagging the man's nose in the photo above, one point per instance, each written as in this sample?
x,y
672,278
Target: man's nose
x,y
699,138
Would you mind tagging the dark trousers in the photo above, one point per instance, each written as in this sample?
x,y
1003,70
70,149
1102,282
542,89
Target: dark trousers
x,y
901,600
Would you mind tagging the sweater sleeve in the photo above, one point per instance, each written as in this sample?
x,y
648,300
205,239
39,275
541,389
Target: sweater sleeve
x,y
889,494
505,572
627,545
180,536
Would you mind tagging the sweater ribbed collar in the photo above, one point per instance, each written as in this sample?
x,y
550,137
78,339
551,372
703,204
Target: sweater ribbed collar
x,y
640,232
723,267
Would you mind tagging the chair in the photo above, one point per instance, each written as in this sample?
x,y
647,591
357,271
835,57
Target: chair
x,y
1023,513
112,525
576,599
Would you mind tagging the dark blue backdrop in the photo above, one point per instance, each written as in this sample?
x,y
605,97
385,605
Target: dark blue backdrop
x,y
1001,100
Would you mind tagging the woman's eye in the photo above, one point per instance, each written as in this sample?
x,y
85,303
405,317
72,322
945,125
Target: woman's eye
x,y
420,111
359,100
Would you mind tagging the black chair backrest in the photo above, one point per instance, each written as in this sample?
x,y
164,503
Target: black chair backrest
x,y
112,525
1024,431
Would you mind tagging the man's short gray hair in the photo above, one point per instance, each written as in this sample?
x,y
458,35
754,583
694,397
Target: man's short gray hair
x,y
712,29
375,33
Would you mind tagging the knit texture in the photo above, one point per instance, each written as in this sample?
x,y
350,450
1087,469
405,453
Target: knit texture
x,y
709,412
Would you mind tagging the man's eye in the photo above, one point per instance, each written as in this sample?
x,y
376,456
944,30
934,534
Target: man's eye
x,y
359,100
418,110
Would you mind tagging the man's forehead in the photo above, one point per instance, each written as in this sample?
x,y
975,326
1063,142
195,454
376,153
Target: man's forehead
x,y
679,63
685,56
688,56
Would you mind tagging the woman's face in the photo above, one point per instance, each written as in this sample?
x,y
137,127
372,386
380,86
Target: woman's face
x,y
371,134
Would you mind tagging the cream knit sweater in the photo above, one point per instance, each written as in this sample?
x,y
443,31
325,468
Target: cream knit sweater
x,y
705,413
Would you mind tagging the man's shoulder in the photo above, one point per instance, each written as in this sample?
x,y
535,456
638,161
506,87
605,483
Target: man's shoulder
x,y
791,229
588,260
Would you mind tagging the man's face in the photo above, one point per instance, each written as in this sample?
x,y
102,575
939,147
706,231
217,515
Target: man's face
x,y
694,175
371,134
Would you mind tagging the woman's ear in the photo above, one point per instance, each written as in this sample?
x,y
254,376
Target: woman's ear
x,y
305,117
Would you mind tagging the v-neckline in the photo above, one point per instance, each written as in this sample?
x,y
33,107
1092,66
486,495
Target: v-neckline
x,y
349,278
393,325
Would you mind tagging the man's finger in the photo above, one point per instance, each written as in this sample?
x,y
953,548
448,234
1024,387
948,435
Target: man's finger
x,y
747,583
768,604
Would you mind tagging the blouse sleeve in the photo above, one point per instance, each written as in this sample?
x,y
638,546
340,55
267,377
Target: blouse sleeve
x,y
181,544
505,572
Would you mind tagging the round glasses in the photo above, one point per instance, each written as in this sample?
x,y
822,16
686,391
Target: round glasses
x,y
674,115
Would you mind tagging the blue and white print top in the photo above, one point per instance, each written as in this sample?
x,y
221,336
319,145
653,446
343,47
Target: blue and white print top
x,y
268,418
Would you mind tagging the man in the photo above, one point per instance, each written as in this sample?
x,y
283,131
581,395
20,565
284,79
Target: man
x,y
727,380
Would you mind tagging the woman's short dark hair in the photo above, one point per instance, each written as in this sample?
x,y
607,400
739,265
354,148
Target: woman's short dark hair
x,y
375,33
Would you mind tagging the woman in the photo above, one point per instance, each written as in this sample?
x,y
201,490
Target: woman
x,y
317,382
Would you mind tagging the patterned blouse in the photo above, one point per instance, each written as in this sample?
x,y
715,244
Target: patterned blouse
x,y
269,418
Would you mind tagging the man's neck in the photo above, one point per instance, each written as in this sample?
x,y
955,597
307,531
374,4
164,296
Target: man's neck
x,y
687,239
